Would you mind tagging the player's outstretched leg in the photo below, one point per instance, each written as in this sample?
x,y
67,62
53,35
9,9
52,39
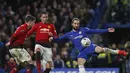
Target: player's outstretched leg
x,y
81,62
99,49
38,61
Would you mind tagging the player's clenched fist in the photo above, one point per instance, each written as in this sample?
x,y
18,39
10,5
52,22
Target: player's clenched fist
x,y
8,44
111,29
50,39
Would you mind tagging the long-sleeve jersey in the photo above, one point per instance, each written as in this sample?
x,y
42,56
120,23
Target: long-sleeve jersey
x,y
18,38
42,31
75,36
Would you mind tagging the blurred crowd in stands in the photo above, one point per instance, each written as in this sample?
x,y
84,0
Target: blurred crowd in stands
x,y
60,14
118,11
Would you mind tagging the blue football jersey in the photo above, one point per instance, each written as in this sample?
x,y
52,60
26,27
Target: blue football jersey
x,y
75,36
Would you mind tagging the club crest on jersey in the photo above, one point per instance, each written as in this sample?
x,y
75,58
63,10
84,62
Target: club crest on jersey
x,y
71,36
80,32
49,26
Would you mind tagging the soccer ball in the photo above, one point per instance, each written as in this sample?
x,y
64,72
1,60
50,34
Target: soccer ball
x,y
85,42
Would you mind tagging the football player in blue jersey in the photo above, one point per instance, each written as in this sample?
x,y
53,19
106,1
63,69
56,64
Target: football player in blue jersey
x,y
77,34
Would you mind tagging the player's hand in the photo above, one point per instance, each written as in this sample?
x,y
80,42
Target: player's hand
x,y
7,44
50,34
111,29
50,39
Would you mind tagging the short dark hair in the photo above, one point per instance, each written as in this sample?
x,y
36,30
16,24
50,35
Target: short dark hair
x,y
29,18
43,13
75,19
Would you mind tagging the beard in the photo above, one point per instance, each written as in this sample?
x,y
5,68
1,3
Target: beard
x,y
76,28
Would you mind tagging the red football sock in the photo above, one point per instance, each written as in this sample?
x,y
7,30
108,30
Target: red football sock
x,y
14,70
38,61
38,66
121,52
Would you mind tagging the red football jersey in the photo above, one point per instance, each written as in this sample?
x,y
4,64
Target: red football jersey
x,y
42,31
19,36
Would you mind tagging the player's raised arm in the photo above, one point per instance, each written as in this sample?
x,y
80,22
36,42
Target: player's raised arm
x,y
58,39
94,31
33,29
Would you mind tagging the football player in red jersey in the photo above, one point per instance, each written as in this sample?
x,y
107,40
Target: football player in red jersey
x,y
16,42
43,31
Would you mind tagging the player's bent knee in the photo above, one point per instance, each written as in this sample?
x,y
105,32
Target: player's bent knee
x,y
37,49
81,61
99,49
